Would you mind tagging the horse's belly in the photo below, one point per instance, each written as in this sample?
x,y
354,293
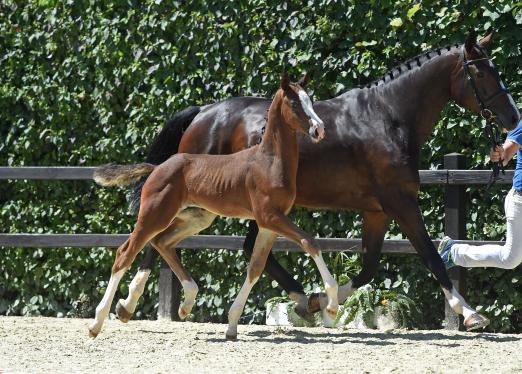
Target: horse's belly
x,y
222,206
329,200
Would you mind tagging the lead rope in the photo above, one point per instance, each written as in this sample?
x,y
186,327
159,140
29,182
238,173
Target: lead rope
x,y
493,135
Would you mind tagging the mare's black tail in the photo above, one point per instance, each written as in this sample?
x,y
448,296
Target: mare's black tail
x,y
164,145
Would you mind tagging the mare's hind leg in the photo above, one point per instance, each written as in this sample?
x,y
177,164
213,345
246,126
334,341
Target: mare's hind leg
x,y
405,210
264,241
189,222
279,274
375,225
151,221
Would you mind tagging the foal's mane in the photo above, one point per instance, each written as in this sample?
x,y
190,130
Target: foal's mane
x,y
410,65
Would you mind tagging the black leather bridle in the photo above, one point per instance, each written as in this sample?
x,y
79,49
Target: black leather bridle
x,y
492,130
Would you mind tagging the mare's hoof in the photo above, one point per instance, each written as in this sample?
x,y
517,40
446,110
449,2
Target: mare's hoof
x,y
314,304
475,321
231,337
122,313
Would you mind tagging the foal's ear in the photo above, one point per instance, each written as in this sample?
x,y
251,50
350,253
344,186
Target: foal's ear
x,y
285,81
471,41
304,80
486,41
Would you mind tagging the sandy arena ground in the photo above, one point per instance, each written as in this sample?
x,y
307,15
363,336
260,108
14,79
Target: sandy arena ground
x,y
52,345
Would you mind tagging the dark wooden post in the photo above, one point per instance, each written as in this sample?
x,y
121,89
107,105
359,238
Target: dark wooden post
x,y
169,293
455,227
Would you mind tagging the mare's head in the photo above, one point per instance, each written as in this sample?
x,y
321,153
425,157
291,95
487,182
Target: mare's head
x,y
476,84
297,109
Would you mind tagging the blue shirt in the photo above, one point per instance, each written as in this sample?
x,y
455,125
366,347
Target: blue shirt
x,y
516,136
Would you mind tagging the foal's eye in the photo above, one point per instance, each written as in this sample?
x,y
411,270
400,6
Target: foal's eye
x,y
480,74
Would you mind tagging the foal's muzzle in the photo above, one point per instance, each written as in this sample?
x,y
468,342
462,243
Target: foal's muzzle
x,y
316,131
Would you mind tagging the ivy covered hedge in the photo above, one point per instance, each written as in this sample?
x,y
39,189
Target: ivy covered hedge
x,y
87,82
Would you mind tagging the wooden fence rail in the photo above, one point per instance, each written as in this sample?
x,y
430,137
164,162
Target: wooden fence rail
x,y
453,178
433,177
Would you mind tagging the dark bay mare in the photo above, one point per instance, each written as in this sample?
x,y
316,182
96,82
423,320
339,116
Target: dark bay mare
x,y
368,161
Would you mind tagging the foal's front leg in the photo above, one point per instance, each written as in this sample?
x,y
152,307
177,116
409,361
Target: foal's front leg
x,y
264,241
281,224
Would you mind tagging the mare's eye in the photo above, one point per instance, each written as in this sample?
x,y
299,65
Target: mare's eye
x,y
480,74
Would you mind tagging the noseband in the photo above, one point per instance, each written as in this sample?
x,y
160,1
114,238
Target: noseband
x,y
492,130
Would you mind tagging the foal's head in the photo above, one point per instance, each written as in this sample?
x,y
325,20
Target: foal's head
x,y
476,84
297,109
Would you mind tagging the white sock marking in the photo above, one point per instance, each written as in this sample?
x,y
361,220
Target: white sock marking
x,y
102,310
136,289
457,303
330,284
239,304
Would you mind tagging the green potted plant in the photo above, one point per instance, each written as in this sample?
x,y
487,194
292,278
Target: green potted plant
x,y
375,308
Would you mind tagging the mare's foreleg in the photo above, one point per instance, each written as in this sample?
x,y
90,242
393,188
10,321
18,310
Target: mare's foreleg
x,y
281,224
279,274
264,241
405,210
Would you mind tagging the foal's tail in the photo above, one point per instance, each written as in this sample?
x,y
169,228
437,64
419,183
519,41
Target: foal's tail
x,y
121,175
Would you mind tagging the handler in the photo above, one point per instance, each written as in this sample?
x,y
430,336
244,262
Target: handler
x,y
509,255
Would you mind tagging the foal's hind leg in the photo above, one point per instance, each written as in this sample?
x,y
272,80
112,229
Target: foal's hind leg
x,y
188,222
125,307
151,221
264,241
124,257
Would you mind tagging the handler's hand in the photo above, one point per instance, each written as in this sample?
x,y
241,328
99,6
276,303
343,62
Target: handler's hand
x,y
496,154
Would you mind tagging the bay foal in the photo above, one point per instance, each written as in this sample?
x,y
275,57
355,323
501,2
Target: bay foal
x,y
257,183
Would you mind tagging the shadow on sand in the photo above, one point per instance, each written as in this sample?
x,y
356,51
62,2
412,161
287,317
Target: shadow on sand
x,y
289,335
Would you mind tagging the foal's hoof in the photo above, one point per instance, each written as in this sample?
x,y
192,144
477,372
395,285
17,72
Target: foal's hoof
x,y
92,333
122,313
231,337
314,304
332,313
475,321
183,313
